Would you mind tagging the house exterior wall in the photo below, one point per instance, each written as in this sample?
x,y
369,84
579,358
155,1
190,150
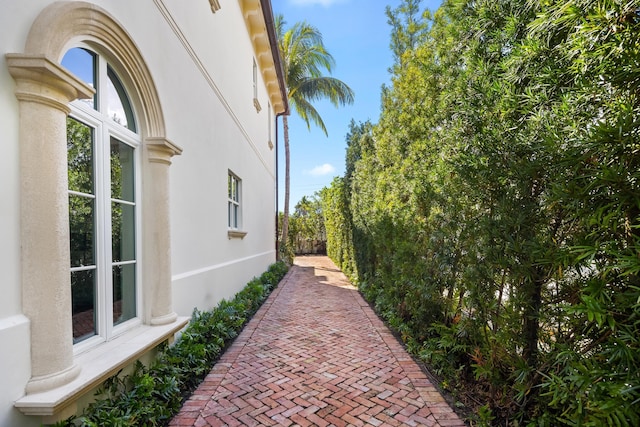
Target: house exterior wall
x,y
15,369
200,64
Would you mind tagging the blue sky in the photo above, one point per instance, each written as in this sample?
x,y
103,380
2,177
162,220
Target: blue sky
x,y
356,33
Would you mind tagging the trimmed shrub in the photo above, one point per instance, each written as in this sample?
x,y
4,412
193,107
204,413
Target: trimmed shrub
x,y
151,396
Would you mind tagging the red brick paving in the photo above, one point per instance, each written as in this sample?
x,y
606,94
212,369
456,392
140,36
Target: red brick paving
x,y
315,354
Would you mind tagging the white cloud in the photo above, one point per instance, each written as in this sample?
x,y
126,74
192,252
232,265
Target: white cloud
x,y
325,3
321,170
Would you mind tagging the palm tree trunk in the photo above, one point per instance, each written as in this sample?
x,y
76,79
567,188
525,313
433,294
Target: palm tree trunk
x,y
287,161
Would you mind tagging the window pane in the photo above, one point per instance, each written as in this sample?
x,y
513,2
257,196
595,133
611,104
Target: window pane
x,y
123,232
118,105
82,63
80,156
235,216
122,171
233,209
81,230
234,189
83,304
124,293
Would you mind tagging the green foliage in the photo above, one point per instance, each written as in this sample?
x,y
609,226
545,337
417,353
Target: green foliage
x,y
338,226
286,252
151,396
407,28
306,227
334,201
304,60
492,215
140,398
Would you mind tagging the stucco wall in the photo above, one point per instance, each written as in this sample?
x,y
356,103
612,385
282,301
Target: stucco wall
x,y
201,63
15,370
223,132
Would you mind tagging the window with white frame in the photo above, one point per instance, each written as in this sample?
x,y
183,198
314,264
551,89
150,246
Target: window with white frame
x,y
102,156
256,103
234,211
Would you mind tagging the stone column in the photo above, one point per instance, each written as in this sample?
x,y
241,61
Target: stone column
x,y
44,90
156,223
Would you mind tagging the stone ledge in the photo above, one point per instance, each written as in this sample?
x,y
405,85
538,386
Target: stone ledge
x,y
236,234
96,366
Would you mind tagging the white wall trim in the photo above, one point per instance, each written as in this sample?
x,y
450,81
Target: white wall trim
x,y
217,266
13,321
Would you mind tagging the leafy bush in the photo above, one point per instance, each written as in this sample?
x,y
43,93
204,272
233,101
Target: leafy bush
x,y
151,396
492,216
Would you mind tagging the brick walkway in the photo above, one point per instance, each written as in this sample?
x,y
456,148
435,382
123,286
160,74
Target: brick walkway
x,y
315,354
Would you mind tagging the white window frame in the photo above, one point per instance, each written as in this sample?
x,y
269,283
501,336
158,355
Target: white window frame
x,y
256,103
234,201
104,129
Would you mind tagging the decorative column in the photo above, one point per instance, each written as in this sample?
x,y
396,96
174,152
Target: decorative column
x,y
44,90
157,224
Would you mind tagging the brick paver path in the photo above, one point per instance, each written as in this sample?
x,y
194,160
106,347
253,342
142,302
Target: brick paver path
x,y
315,354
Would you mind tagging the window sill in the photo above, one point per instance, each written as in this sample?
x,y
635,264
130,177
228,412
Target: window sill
x,y
96,366
236,234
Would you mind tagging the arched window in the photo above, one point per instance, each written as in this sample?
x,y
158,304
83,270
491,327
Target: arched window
x,y
82,214
102,157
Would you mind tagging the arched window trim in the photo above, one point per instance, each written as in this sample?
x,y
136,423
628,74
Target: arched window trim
x,y
44,89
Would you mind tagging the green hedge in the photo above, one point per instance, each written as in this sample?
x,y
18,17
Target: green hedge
x,y
492,215
151,396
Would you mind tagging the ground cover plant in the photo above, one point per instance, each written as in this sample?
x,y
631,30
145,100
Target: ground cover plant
x,y
492,215
151,396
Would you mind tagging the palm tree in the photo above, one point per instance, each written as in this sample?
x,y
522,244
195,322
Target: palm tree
x,y
304,57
